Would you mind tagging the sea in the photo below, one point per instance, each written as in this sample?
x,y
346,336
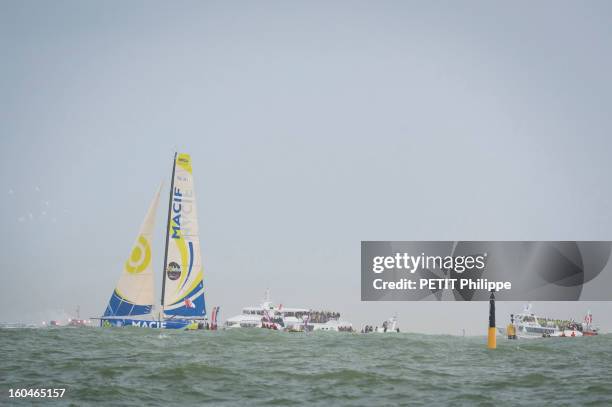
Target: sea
x,y
136,366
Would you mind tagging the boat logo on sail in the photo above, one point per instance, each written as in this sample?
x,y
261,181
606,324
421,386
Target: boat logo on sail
x,y
176,209
173,271
140,257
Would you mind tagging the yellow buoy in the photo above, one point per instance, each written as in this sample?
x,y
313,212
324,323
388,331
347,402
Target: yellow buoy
x,y
492,340
511,331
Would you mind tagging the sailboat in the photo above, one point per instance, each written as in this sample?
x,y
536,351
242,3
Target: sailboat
x,y
182,294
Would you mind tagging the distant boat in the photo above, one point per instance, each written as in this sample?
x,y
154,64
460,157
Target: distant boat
x,y
182,294
388,326
78,322
70,322
277,317
527,325
587,326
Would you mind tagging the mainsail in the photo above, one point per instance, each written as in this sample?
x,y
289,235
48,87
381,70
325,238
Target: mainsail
x,y
134,292
183,286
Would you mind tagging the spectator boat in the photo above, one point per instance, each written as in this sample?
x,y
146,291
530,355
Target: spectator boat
x,y
527,325
389,326
279,318
587,326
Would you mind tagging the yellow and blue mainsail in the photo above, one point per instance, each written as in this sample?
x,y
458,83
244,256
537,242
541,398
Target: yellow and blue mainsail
x,y
183,286
134,293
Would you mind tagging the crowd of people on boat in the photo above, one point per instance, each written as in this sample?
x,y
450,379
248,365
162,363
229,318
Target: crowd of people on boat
x,y
562,324
386,326
272,322
321,317
267,324
367,329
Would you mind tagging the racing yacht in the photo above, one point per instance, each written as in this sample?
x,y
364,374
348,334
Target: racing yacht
x,y
131,303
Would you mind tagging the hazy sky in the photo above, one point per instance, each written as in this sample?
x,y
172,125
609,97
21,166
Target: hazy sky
x,y
312,126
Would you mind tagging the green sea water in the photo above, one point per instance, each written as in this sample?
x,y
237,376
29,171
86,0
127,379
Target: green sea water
x,y
259,367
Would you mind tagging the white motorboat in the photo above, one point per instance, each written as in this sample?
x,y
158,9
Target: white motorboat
x,y
527,325
277,317
388,326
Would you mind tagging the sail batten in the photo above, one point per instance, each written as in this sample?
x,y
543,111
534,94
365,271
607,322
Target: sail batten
x,y
183,286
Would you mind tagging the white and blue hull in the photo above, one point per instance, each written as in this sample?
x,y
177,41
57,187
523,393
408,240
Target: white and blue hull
x,y
145,323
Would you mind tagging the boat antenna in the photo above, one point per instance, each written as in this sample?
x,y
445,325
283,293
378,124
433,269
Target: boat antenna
x,y
168,232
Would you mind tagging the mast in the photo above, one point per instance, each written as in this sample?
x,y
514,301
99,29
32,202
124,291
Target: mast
x,y
168,232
